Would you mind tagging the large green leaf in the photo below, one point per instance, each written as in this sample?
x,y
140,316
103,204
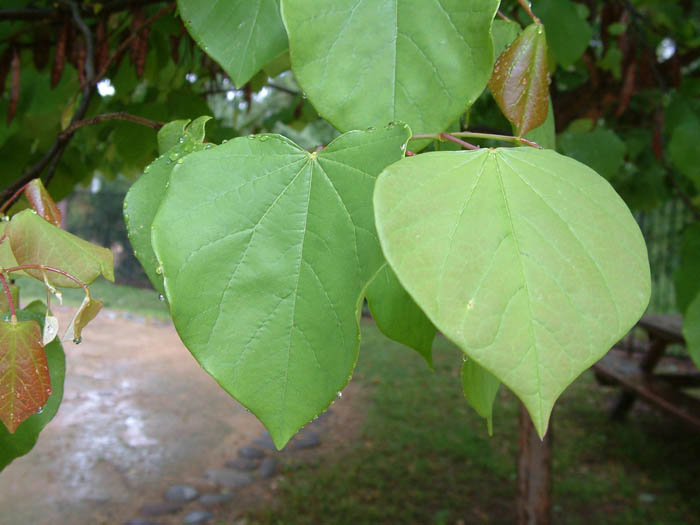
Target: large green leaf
x,y
36,241
687,277
568,35
691,329
18,444
480,388
398,316
527,259
365,63
266,250
683,149
241,35
145,195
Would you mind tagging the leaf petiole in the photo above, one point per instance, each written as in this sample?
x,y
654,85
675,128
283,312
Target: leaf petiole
x,y
477,135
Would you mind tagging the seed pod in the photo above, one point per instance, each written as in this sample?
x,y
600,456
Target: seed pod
x,y
14,85
41,50
137,19
59,57
5,61
102,45
142,52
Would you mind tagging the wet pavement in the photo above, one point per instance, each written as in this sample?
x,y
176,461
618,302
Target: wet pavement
x,y
138,414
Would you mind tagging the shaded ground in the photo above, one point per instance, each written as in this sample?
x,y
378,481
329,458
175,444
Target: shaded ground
x,y
138,414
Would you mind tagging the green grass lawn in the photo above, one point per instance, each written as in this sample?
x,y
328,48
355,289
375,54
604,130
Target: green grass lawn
x,y
138,301
425,457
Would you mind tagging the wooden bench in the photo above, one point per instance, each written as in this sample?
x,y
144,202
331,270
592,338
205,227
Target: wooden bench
x,y
622,366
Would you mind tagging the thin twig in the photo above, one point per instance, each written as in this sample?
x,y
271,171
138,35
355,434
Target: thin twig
x,y
525,4
155,124
478,135
283,89
464,144
503,17
9,201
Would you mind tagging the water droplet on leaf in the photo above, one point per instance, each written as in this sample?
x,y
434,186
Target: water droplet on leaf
x,y
77,340
339,395
159,270
161,297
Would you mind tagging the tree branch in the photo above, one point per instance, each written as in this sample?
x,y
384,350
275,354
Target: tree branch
x,y
155,124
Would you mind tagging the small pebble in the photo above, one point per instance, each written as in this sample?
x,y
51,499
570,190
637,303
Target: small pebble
x,y
198,516
307,440
243,464
229,478
268,468
250,453
181,493
209,500
160,509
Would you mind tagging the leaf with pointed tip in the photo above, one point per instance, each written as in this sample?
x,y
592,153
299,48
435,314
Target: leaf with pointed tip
x,y
504,32
241,35
287,243
145,195
169,135
398,316
527,259
87,311
50,330
25,436
691,329
40,200
480,388
365,63
568,33
25,384
520,80
686,279
35,241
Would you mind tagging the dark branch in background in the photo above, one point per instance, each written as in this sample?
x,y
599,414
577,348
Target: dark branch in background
x,y
52,157
62,10
155,124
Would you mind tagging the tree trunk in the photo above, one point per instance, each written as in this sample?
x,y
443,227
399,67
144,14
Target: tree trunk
x,y
534,470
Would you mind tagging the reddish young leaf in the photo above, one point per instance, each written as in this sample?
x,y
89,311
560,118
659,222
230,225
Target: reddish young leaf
x,y
41,201
59,57
520,80
14,85
25,384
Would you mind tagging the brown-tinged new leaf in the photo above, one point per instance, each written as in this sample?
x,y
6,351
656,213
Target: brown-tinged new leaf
x,y
520,80
59,57
41,201
36,241
25,384
87,312
14,85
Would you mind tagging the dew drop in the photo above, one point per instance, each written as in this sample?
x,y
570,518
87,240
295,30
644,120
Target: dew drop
x,y
39,410
371,129
339,395
159,270
5,218
224,141
208,146
179,161
161,297
181,140
252,137
264,138
78,340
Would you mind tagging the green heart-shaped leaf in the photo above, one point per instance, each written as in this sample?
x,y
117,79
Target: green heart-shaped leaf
x,y
527,259
480,388
145,195
241,35
266,250
365,63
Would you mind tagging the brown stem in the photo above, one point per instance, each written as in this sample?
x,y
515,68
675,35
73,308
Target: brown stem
x,y
120,115
464,144
12,199
525,4
502,16
8,293
48,269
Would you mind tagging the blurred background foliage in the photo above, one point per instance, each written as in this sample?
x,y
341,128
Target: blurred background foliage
x,y
625,89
